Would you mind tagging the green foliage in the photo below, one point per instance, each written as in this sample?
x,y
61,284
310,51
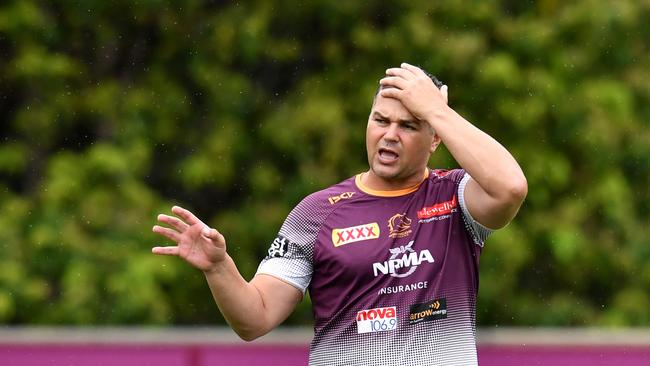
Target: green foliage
x,y
114,111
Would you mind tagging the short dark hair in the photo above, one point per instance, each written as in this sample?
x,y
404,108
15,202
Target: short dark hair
x,y
435,80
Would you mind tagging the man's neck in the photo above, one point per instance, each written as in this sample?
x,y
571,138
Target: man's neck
x,y
376,183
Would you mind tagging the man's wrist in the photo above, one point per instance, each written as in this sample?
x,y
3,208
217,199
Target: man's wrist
x,y
218,267
437,116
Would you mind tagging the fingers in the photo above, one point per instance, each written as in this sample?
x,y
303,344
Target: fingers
x,y
390,93
165,250
406,71
404,77
413,69
409,71
212,234
398,71
187,224
186,215
168,233
174,222
393,81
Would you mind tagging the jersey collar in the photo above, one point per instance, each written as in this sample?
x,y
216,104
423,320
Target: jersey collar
x,y
390,193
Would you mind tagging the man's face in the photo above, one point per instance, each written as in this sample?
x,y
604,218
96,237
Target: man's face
x,y
398,145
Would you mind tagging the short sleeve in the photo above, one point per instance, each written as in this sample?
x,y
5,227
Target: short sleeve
x,y
290,256
479,232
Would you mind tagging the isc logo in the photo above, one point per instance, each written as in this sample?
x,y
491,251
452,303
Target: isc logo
x,y
377,320
342,196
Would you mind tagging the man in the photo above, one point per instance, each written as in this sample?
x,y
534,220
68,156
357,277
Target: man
x,y
390,256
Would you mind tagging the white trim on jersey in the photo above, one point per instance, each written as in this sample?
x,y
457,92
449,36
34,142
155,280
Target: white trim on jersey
x,y
479,232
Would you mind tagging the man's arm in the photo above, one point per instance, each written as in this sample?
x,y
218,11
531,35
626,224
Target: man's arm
x,y
251,308
498,185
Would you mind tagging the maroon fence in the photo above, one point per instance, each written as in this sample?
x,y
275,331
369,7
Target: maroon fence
x,y
203,347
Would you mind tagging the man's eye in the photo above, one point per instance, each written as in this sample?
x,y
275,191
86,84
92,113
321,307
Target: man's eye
x,y
410,127
381,121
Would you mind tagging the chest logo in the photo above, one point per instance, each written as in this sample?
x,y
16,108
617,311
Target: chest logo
x,y
342,196
399,226
403,261
377,320
439,209
355,233
432,310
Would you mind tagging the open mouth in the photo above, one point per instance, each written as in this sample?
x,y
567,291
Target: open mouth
x,y
387,155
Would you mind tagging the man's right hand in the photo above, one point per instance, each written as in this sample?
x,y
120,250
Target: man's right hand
x,y
196,243
269,298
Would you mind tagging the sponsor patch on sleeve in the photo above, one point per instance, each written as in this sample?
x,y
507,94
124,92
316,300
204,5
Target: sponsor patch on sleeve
x,y
377,320
432,310
279,247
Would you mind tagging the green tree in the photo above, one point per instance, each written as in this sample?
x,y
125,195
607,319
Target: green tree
x,y
114,111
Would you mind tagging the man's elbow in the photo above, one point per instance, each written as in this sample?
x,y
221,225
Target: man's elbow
x,y
517,190
250,331
249,335
511,197
507,205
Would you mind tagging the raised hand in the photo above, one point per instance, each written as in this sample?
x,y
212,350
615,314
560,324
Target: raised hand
x,y
196,243
415,90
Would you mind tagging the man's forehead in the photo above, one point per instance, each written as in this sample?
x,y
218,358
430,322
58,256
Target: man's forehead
x,y
390,108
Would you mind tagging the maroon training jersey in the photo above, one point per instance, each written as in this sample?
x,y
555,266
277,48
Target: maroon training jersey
x,y
392,275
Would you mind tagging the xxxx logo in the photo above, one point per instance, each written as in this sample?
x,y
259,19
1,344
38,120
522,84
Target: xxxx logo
x,y
355,233
342,196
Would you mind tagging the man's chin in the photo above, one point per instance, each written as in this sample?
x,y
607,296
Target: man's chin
x,y
385,172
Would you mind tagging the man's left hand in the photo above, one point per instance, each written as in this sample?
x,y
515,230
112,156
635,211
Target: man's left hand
x,y
415,90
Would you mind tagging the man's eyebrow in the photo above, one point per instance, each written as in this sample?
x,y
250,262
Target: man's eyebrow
x,y
378,114
405,121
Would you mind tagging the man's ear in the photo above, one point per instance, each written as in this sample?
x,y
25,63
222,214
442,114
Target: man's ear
x,y
435,142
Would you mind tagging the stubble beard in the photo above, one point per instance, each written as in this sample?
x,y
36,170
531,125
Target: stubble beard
x,y
390,174
396,174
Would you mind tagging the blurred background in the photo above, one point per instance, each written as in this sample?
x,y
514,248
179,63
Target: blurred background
x,y
113,111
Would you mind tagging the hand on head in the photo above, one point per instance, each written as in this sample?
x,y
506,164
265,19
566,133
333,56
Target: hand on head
x,y
414,89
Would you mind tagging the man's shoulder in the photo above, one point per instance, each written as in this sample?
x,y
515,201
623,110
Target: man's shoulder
x,y
446,175
331,195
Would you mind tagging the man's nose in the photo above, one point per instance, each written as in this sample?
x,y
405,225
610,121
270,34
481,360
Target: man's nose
x,y
392,132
